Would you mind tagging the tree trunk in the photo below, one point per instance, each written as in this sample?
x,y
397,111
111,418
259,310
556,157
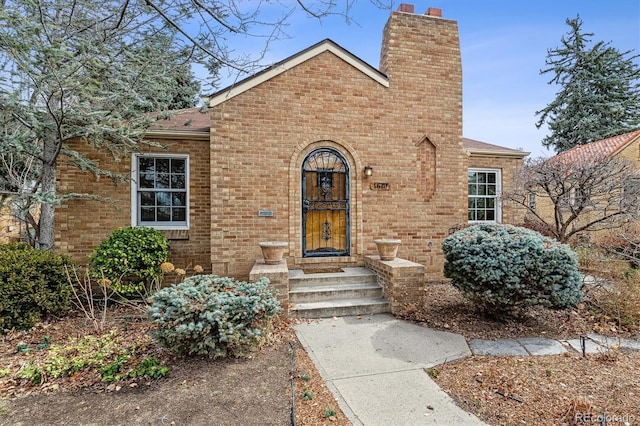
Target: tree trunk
x,y
48,189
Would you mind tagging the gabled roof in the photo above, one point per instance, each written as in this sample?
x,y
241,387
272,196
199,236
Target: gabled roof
x,y
598,149
291,62
184,123
478,148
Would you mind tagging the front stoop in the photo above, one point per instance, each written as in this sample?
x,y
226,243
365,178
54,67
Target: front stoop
x,y
353,292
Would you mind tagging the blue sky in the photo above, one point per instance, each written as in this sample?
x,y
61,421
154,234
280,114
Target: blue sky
x,y
503,44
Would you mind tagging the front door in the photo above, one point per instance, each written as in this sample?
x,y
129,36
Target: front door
x,y
325,204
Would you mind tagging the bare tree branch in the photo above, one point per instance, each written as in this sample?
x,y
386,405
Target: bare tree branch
x,y
579,196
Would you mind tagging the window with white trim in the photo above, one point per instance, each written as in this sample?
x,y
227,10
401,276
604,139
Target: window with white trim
x,y
484,195
160,195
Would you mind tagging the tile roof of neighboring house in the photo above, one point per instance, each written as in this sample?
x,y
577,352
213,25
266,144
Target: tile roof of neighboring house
x,y
601,148
475,147
189,120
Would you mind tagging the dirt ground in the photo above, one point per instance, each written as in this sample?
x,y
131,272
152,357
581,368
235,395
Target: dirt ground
x,y
548,390
253,390
196,392
556,390
256,389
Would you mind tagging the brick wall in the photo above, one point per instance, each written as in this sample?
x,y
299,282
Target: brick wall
x,y
545,207
403,281
511,212
260,138
410,133
10,226
82,224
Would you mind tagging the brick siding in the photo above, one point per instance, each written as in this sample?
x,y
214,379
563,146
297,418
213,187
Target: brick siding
x,y
82,224
265,133
410,133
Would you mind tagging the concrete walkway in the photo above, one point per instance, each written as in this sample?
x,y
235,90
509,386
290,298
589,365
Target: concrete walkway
x,y
375,367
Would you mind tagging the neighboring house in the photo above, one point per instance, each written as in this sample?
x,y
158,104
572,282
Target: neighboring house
x,y
10,227
13,223
625,146
322,151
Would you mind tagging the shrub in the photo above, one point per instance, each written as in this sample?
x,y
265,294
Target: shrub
x,y
505,269
33,284
621,301
624,244
107,354
206,314
130,258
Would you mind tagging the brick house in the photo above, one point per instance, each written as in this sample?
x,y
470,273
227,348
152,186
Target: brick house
x,y
321,151
625,146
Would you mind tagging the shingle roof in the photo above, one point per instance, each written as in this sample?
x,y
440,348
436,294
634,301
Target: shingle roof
x,y
187,120
477,147
194,120
601,148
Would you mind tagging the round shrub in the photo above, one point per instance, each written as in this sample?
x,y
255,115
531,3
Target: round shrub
x,y
130,258
505,269
33,284
206,314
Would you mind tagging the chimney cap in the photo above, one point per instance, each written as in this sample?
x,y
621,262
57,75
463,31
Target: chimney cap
x,y
404,7
434,11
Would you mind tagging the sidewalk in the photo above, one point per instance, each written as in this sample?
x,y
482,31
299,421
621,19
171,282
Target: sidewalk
x,y
375,367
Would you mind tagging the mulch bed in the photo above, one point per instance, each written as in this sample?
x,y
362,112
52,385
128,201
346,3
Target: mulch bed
x,y
256,389
560,390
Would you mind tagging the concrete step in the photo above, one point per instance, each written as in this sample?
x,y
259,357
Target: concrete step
x,y
325,292
339,308
355,291
351,275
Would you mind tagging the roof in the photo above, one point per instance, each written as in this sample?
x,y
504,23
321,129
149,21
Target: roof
x,y
478,148
184,123
292,61
195,123
599,149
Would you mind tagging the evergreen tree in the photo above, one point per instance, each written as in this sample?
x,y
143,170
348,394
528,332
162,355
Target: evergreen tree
x,y
79,69
599,92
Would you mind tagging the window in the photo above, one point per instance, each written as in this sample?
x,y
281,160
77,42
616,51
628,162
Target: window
x,y
160,191
532,201
484,192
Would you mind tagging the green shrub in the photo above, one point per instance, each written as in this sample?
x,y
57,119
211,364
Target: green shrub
x,y
107,355
505,269
206,314
33,284
130,259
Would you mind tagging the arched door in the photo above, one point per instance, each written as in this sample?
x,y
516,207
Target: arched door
x,y
325,204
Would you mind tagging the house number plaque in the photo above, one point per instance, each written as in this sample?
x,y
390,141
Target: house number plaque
x,y
379,186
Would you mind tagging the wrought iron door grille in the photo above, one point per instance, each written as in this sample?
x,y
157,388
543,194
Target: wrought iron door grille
x,y
325,204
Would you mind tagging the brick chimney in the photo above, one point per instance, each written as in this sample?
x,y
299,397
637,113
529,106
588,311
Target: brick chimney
x,y
434,11
420,37
407,8
420,55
